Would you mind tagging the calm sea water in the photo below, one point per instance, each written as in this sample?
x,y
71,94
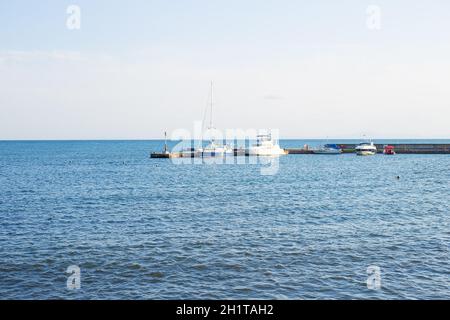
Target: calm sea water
x,y
149,229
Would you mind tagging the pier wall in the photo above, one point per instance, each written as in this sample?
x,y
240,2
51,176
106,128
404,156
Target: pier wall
x,y
347,148
407,148
399,148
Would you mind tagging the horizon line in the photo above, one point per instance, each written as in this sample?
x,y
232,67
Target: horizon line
x,y
162,139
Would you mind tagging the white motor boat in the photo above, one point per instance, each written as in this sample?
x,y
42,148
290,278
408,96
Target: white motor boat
x,y
366,149
265,146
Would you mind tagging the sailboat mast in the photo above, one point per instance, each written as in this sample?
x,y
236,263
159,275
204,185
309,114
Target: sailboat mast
x,y
211,107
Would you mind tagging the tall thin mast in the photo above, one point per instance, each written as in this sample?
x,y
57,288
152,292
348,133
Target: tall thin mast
x,y
211,106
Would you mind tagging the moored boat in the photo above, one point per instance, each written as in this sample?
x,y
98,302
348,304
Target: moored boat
x,y
213,149
366,149
328,149
266,146
389,150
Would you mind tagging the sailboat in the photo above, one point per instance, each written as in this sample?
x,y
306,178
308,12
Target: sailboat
x,y
214,149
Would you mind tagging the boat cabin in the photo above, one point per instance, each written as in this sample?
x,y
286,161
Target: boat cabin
x,y
389,150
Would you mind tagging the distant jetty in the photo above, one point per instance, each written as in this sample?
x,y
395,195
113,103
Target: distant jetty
x,y
413,148
401,148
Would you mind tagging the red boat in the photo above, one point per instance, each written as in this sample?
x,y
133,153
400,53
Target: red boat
x,y
389,150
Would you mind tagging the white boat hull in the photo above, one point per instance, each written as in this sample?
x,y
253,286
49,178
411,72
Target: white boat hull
x,y
327,151
267,152
214,153
366,153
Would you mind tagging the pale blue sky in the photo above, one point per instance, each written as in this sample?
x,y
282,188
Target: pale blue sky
x,y
308,68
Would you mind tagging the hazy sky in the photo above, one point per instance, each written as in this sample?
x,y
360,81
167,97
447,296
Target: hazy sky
x,y
311,69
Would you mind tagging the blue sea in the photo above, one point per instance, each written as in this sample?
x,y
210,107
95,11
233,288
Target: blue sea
x,y
141,228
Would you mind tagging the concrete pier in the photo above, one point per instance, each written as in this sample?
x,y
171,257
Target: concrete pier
x,y
164,155
346,148
407,148
417,148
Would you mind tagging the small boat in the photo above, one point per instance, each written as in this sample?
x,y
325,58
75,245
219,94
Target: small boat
x,y
328,149
389,150
366,149
215,150
191,152
266,146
